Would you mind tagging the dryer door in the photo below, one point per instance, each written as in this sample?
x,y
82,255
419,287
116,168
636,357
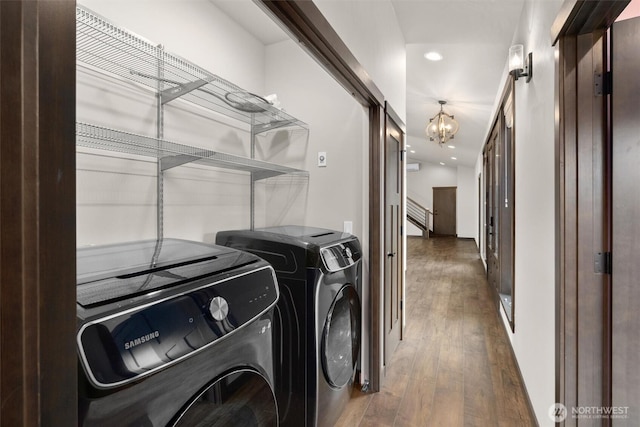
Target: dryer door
x,y
341,338
241,398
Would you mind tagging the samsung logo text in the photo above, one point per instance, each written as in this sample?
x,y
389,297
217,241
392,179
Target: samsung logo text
x,y
141,340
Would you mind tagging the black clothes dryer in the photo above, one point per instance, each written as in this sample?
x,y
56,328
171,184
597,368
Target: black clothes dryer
x,y
175,333
318,317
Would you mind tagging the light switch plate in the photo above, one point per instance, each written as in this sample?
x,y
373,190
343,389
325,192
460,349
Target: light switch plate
x,y
322,159
348,227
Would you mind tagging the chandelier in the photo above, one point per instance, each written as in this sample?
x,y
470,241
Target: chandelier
x,y
442,127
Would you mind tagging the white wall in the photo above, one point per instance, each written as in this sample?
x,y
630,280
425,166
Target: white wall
x,y
534,338
467,203
338,125
370,30
420,188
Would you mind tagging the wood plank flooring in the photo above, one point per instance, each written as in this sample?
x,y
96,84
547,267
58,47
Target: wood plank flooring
x,y
454,366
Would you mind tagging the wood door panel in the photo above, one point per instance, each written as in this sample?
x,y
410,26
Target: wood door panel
x,y
567,289
582,291
393,240
625,340
589,222
444,211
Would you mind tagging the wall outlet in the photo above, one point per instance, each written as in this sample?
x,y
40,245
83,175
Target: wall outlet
x,y
322,159
348,227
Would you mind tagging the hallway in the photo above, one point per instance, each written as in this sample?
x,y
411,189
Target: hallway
x,y
454,366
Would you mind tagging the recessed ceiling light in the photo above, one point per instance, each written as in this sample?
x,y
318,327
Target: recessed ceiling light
x,y
433,56
451,146
412,151
408,146
454,158
442,163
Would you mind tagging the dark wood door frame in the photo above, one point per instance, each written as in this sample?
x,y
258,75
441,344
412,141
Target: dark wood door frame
x,y
508,202
499,197
499,160
492,208
583,375
581,295
38,361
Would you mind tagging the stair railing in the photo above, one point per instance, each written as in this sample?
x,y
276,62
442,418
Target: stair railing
x,y
418,214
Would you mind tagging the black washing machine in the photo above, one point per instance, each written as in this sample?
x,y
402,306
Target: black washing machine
x,y
175,333
318,317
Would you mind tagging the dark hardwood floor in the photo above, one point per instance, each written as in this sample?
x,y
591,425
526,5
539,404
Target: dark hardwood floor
x,y
454,366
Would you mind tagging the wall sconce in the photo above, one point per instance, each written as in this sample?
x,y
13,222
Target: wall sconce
x,y
519,65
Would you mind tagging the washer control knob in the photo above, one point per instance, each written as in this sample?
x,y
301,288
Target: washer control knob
x,y
347,252
219,308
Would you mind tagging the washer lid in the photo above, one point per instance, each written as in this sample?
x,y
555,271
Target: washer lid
x,y
310,234
112,272
99,262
